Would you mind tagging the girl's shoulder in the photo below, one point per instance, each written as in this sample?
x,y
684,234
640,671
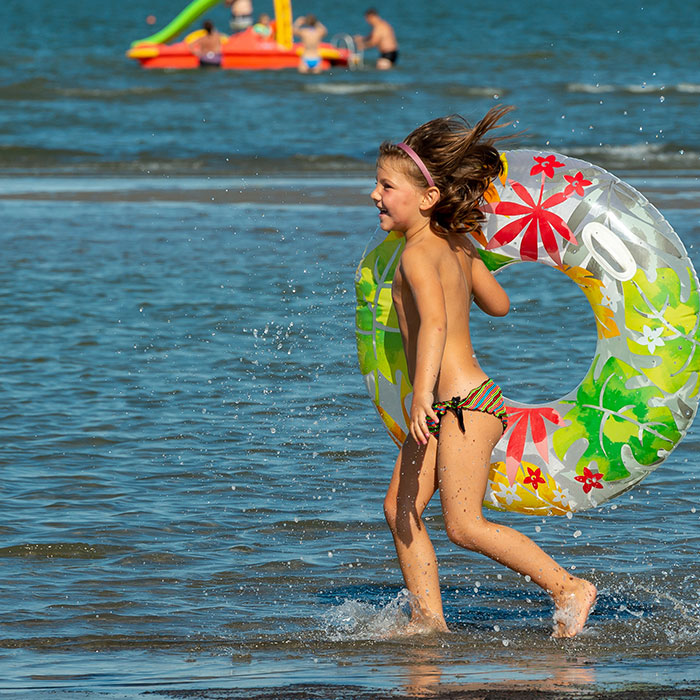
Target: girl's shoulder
x,y
422,256
460,243
416,253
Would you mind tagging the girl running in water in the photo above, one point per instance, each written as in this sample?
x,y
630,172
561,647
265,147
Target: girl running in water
x,y
429,187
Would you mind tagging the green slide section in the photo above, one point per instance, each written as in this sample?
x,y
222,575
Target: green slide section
x,y
195,9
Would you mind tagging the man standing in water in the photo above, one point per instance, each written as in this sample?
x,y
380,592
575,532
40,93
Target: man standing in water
x,y
310,31
383,37
208,47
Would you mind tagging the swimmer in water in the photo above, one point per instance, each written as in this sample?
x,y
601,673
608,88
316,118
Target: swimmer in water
x,y
208,47
310,31
382,37
429,188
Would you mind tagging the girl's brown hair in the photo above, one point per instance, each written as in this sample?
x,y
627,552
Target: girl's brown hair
x,y
462,162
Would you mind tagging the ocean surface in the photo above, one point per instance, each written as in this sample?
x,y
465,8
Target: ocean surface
x,y
191,473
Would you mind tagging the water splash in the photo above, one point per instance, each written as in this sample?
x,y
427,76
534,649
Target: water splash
x,y
683,620
355,620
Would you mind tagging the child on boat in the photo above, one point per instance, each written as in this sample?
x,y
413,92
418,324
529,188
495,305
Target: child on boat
x,y
429,187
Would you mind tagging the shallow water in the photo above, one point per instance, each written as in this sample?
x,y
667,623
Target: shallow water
x,y
192,474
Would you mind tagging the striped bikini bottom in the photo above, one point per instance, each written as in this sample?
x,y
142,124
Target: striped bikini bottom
x,y
486,398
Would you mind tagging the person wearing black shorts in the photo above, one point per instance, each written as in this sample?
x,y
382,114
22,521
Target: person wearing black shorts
x,y
382,37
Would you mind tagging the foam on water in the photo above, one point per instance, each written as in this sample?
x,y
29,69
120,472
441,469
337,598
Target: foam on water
x,y
634,89
658,154
341,88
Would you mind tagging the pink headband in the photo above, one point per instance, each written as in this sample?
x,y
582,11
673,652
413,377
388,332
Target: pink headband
x,y
416,159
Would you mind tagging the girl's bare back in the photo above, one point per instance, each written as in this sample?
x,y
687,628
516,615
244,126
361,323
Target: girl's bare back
x,y
452,272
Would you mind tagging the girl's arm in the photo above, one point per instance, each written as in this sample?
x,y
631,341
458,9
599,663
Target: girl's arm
x,y
422,279
489,296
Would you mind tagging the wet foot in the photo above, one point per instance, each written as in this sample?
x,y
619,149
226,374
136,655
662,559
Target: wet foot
x,y
572,609
422,623
425,624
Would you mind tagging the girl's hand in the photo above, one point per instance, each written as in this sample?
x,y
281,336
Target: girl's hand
x,y
421,407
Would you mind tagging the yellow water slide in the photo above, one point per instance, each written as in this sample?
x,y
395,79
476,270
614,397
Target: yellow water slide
x,y
283,20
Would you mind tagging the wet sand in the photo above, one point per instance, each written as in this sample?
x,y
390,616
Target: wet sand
x,y
630,691
353,191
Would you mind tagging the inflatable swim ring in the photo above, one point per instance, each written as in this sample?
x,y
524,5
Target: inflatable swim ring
x,y
640,394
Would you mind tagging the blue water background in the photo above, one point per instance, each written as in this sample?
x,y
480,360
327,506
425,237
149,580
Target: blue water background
x,y
615,82
192,474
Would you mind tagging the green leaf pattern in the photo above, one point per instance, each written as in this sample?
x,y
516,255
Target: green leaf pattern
x,y
610,412
663,328
379,346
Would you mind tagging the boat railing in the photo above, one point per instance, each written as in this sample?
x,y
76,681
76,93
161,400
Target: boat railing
x,y
345,41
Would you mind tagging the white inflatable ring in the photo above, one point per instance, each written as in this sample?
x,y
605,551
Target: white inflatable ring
x,y
639,396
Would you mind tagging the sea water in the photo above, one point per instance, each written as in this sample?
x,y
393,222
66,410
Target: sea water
x,y
191,472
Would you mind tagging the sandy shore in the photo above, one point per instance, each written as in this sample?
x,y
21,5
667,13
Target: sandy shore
x,y
350,191
630,691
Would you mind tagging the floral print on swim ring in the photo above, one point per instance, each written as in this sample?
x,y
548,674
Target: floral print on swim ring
x,y
640,394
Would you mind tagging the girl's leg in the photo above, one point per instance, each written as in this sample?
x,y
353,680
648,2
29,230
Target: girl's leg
x,y
463,461
412,485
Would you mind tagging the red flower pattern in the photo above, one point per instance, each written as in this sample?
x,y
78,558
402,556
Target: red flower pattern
x,y
546,165
535,218
519,419
576,184
589,480
534,478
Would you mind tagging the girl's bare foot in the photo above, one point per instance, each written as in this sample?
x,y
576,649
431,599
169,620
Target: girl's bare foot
x,y
421,626
425,626
423,622
572,608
